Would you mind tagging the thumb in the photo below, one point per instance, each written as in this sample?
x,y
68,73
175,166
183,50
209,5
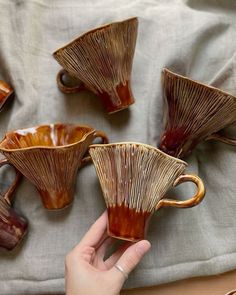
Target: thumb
x,y
130,258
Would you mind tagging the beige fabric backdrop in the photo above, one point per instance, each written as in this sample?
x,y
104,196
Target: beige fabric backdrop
x,y
193,37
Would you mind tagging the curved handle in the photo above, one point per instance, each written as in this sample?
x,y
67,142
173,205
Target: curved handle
x,y
88,159
6,92
221,138
68,89
195,200
9,193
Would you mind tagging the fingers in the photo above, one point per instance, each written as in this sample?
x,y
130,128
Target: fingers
x,y
116,256
101,251
130,258
95,234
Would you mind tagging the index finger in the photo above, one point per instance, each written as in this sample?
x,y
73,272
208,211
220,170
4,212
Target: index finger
x,y
95,234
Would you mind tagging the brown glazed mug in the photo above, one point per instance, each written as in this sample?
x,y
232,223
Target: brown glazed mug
x,y
13,227
102,60
6,92
134,178
193,112
50,156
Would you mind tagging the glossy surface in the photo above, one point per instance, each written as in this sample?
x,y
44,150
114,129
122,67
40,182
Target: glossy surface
x,y
102,59
54,135
13,227
134,178
193,112
6,92
124,93
126,223
50,156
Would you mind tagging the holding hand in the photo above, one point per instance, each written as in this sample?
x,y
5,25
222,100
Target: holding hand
x,y
87,273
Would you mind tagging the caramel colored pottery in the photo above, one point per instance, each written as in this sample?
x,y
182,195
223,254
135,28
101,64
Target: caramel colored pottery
x,y
134,178
6,92
13,227
50,156
102,60
193,112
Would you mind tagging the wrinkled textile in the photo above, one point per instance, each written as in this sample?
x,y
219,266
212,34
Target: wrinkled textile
x,y
196,38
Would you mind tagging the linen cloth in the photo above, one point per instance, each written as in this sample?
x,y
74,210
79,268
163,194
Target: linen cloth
x,y
196,38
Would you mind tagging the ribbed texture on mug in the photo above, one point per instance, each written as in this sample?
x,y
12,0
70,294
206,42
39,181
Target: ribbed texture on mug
x,y
135,175
196,109
102,58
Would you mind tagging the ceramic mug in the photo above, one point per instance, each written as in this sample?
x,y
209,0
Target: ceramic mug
x,y
50,156
102,60
134,178
193,112
13,227
6,92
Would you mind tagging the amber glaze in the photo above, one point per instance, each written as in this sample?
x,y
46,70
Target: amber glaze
x,y
193,112
12,227
127,224
134,178
126,98
102,60
50,156
6,92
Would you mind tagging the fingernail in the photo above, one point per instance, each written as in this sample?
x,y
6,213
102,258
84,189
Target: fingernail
x,y
143,247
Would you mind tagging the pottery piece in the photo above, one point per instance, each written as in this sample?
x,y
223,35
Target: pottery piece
x,y
102,60
134,178
194,112
50,156
6,92
13,227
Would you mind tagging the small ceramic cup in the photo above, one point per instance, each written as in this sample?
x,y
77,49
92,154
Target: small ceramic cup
x,y
193,112
50,156
13,227
134,178
102,60
6,92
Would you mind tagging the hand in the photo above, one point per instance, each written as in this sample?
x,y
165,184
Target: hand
x,y
86,271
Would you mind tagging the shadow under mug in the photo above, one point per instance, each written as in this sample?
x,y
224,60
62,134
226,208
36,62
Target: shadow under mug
x,y
13,227
6,92
102,60
134,178
193,112
50,156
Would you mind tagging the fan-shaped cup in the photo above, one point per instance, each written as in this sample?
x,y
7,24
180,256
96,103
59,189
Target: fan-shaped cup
x,y
134,178
50,156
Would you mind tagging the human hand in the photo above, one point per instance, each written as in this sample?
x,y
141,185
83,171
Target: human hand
x,y
87,273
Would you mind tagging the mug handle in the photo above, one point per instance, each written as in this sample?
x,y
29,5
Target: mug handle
x,y
221,138
6,92
195,200
9,193
88,159
68,89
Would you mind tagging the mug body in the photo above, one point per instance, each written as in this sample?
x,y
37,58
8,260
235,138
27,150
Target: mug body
x,y
49,156
6,92
102,59
13,227
193,112
127,224
134,177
